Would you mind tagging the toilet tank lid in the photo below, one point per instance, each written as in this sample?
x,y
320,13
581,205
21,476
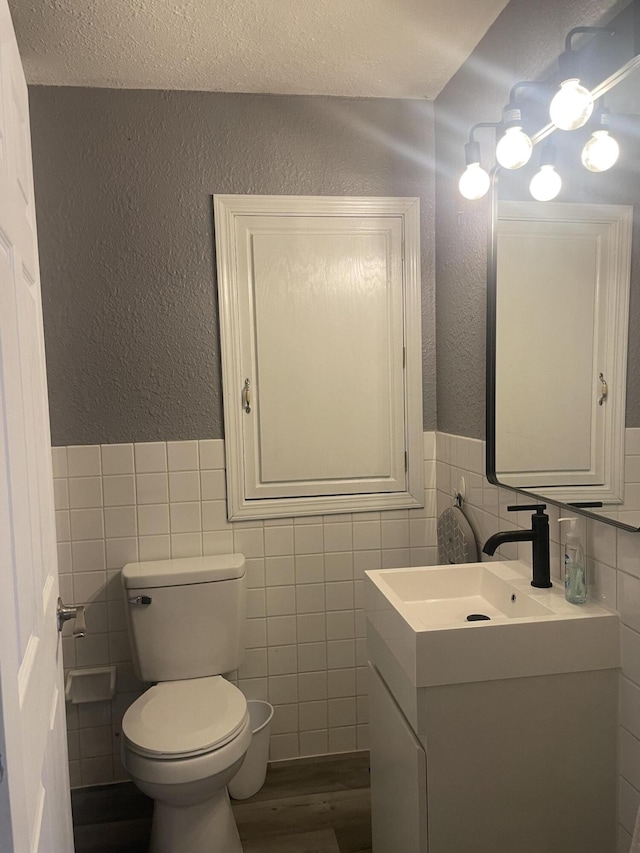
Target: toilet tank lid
x,y
188,570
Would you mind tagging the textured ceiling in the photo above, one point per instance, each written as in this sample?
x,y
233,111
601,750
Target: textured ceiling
x,y
368,48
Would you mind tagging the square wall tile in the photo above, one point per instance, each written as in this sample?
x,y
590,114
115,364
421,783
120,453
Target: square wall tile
x,y
211,454
154,548
429,445
185,517
312,686
283,689
278,541
341,683
184,486
281,631
153,519
256,603
89,586
310,598
341,654
248,541
85,492
312,657
186,545
88,555
61,494
279,571
314,743
309,568
338,566
152,488
282,660
120,521
340,595
121,551
217,542
64,557
281,600
313,715
367,535
150,457
83,460
119,490
338,537
182,455
214,516
395,534
254,569
311,628
340,625
86,524
59,461
117,459
213,485
308,539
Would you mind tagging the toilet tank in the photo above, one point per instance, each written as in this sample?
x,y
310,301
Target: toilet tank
x,y
186,618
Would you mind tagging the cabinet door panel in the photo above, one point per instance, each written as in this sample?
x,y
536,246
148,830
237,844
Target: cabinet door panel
x,y
398,776
324,305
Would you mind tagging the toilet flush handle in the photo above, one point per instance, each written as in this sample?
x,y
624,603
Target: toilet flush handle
x,y
141,599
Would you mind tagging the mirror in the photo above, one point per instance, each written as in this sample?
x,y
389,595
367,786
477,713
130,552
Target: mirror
x,y
563,320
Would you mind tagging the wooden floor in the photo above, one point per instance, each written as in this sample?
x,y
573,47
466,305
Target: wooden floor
x,y
318,805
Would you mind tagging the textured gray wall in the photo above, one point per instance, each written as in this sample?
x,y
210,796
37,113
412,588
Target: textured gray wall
x,y
124,181
522,44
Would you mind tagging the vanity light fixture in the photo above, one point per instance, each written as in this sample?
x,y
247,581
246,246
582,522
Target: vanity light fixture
x,y
547,183
572,105
474,181
515,147
601,151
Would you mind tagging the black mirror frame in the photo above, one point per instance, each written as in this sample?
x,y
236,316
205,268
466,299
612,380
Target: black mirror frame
x,y
491,330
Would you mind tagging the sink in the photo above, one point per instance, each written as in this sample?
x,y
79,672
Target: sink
x,y
422,616
446,596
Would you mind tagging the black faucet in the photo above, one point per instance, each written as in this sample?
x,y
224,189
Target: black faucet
x,y
538,535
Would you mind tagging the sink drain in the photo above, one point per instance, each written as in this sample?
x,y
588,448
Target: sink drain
x,y
478,617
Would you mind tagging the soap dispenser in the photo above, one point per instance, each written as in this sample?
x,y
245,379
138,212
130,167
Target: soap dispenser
x,y
575,573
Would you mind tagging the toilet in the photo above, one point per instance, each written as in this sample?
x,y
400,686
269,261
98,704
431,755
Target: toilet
x,y
186,737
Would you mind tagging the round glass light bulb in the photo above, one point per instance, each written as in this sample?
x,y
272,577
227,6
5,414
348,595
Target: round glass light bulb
x,y
546,184
514,148
600,152
474,182
571,106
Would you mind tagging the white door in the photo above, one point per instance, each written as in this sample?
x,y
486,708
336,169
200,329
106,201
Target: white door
x,y
35,810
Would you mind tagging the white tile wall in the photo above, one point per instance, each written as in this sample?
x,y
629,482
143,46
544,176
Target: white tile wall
x,y
613,574
305,640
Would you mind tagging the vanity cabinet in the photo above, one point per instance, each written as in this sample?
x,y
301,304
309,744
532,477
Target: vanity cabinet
x,y
524,765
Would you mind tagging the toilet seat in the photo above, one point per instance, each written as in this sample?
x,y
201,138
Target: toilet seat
x,y
182,719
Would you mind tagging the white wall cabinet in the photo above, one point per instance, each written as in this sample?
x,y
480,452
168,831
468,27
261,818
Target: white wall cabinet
x,y
321,349
563,276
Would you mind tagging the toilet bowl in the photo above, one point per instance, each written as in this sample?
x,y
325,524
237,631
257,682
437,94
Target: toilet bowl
x,y
184,739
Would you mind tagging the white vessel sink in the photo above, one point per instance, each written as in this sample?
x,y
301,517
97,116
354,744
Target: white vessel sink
x,y
421,615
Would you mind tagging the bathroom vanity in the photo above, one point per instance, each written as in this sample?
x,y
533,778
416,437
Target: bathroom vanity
x,y
489,735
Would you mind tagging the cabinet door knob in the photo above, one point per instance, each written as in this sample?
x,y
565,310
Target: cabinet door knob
x,y
246,396
604,389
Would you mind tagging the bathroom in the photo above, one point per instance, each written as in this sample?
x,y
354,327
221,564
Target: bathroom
x,y
123,183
